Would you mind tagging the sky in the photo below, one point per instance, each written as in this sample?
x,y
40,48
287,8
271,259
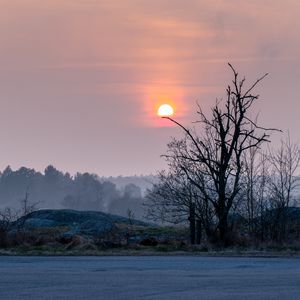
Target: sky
x,y
80,80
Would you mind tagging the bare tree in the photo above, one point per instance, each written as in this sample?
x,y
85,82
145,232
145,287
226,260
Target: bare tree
x,y
26,205
263,194
175,200
169,200
212,160
250,178
130,216
284,163
7,216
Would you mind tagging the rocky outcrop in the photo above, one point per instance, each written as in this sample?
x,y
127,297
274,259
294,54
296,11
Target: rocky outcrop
x,y
83,230
89,223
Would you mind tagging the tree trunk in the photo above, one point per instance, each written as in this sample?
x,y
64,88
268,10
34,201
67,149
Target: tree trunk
x,y
192,224
223,230
198,232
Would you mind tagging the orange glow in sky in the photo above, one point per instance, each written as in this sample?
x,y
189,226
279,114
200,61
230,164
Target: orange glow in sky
x,y
103,68
156,95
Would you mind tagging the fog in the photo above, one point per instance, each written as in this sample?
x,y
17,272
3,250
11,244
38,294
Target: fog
x,y
54,189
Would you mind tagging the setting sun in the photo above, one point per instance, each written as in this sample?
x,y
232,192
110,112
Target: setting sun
x,y
165,110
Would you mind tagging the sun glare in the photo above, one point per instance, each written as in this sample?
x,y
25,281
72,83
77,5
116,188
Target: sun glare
x,y
165,110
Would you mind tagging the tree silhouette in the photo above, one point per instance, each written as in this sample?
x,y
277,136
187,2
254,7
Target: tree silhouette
x,y
212,158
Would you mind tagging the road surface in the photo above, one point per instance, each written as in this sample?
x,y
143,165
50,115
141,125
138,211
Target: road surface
x,y
182,277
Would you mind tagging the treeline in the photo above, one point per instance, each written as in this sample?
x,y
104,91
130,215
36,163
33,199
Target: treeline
x,y
26,189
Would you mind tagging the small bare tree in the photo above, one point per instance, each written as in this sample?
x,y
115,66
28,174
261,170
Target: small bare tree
x,y
263,193
169,200
27,206
255,192
130,216
7,216
284,163
250,180
175,200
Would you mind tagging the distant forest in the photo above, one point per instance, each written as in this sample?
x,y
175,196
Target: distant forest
x,y
84,191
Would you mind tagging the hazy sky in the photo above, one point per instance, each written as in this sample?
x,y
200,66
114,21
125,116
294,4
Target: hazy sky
x,y
80,79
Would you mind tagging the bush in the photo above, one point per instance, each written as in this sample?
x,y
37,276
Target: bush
x,y
149,242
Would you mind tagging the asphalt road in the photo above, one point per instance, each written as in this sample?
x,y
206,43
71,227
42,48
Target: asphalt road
x,y
149,278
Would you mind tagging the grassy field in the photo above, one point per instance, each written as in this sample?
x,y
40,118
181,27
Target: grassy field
x,y
160,250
